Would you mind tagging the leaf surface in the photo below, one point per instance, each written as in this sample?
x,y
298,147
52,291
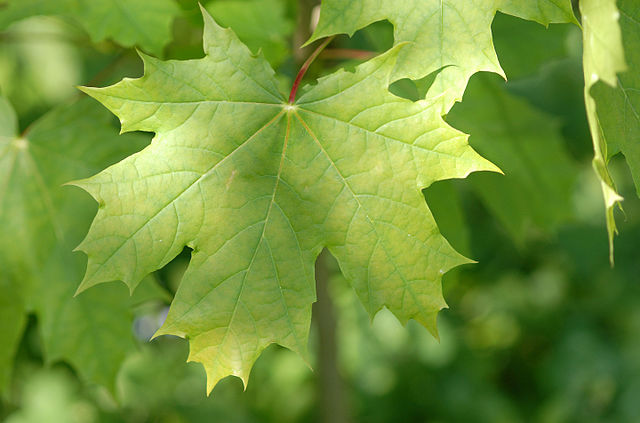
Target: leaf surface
x,y
449,36
257,187
128,22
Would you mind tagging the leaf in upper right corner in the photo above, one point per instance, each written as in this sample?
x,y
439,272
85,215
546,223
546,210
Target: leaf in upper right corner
x,y
611,102
539,175
453,36
618,106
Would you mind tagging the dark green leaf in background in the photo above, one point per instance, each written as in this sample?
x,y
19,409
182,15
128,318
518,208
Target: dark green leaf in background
x,y
539,176
142,23
260,24
40,221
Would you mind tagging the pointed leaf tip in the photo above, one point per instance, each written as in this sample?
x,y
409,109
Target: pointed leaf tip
x,y
87,90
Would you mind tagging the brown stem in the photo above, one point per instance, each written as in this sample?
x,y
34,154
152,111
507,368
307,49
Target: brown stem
x,y
331,392
305,66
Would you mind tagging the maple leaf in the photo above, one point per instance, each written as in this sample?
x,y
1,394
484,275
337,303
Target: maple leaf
x,y
449,36
40,222
612,82
129,23
603,59
257,187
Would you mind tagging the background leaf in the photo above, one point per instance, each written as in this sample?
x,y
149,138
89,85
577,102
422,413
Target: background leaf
x,y
535,191
41,221
130,23
260,24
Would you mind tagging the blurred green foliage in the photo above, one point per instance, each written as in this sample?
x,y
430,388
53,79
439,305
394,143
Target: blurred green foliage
x,y
542,329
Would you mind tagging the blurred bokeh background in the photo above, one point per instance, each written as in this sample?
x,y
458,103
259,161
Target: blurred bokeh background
x,y
541,329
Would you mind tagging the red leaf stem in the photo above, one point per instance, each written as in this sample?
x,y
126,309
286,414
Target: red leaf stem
x,y
305,66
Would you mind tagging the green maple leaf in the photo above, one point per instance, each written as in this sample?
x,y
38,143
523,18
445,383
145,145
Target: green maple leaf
x,y
40,222
603,59
450,36
128,22
257,187
535,192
